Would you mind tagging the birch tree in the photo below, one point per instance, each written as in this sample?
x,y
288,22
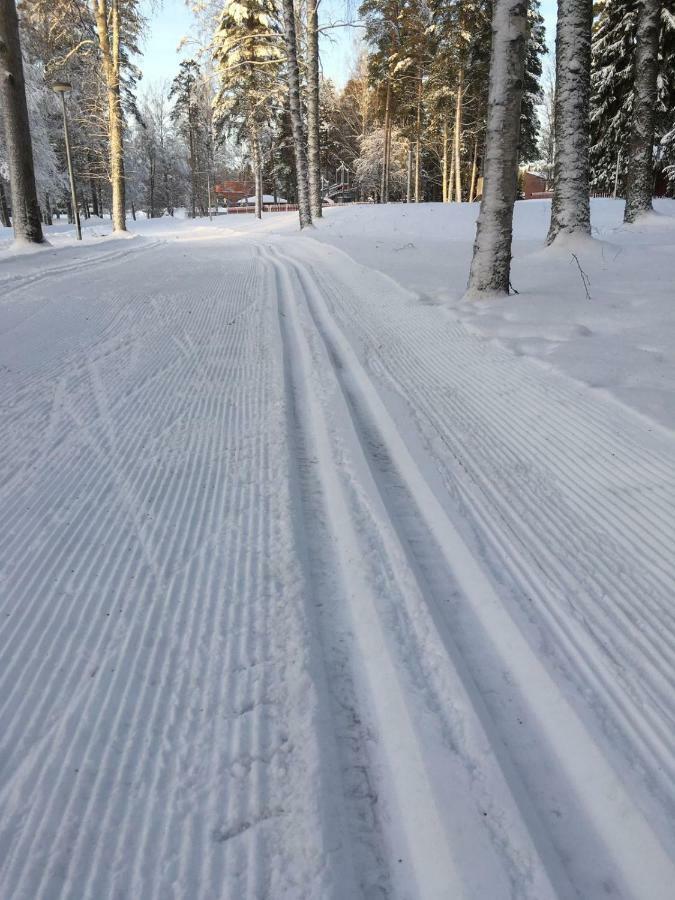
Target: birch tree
x,y
19,150
640,181
313,109
299,144
491,263
570,207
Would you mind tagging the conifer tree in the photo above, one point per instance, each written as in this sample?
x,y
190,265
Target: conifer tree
x,y
249,55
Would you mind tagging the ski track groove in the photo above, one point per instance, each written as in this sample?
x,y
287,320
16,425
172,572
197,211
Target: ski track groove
x,y
171,646
144,617
497,826
645,708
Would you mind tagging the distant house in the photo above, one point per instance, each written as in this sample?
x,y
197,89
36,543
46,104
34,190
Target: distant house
x,y
266,198
534,186
231,192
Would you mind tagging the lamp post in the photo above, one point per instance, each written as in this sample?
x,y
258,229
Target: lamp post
x,y
62,88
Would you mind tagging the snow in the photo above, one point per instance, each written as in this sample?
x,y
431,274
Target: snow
x,y
317,580
266,198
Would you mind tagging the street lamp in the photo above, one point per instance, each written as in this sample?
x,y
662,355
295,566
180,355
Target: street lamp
x,y
63,87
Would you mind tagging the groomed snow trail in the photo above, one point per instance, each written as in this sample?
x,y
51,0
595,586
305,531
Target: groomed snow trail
x,y
309,592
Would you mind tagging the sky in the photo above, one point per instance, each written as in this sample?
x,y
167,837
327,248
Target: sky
x,y
173,21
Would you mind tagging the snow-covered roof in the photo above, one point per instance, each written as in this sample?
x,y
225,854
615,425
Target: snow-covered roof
x,y
266,198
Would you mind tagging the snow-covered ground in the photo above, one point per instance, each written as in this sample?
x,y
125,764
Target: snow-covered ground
x,y
318,581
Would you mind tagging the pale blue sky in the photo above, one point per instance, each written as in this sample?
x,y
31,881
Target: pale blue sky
x,y
172,21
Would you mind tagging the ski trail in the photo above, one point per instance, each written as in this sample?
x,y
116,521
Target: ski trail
x,y
596,797
157,696
427,782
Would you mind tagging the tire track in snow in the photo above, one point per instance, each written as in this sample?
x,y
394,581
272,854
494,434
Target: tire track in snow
x,y
603,840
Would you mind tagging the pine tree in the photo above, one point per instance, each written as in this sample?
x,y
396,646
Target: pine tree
x,y
248,53
191,115
533,93
639,187
25,208
612,92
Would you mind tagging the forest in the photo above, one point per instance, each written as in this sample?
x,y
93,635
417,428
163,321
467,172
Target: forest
x,y
448,101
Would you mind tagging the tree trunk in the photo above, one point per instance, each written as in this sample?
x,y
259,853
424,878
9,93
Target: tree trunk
x,y
133,210
570,209
313,117
418,137
457,137
491,263
94,200
451,176
640,181
384,187
474,170
48,207
151,186
4,209
108,31
257,172
445,162
408,186
293,73
25,207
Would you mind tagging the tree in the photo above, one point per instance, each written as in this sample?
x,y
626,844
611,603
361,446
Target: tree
x,y
25,207
299,146
313,109
248,54
570,207
640,165
491,263
191,114
533,93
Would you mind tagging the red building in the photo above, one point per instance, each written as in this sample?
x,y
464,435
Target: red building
x,y
231,192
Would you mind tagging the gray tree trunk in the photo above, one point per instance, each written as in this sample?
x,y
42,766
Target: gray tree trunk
x,y
640,181
570,208
491,263
257,169
313,114
4,209
25,206
304,209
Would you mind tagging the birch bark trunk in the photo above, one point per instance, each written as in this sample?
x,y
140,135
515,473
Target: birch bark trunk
x,y
640,180
313,109
491,263
25,206
108,31
570,208
304,210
